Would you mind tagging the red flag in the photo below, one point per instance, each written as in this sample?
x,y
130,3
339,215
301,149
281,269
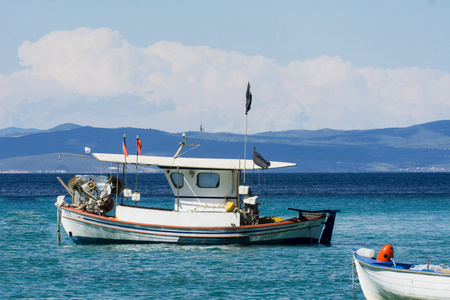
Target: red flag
x,y
138,145
124,146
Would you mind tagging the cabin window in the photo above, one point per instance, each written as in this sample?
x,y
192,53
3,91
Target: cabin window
x,y
174,176
208,180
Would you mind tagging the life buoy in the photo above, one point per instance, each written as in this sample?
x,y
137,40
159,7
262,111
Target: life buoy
x,y
386,253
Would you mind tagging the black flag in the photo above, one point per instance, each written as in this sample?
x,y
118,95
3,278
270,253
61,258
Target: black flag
x,y
249,99
259,160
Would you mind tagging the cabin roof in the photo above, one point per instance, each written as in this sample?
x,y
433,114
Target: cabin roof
x,y
183,162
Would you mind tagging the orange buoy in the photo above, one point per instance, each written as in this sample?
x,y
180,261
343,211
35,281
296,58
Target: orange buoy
x,y
386,253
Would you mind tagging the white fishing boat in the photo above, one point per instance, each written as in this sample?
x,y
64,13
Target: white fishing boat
x,y
384,278
210,207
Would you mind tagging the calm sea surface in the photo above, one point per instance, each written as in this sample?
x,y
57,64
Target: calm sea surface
x,y
410,211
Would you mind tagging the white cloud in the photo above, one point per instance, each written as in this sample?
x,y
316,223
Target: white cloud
x,y
96,77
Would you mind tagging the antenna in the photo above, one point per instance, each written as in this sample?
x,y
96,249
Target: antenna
x,y
184,143
202,128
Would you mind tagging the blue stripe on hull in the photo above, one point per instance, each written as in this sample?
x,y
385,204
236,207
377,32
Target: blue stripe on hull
x,y
81,240
293,241
213,241
196,241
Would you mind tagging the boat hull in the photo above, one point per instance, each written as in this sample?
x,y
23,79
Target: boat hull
x,y
88,228
386,281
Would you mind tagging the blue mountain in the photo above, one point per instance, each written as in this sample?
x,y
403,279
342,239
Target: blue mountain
x,y
421,147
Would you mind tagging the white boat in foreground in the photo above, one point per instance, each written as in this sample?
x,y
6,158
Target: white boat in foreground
x,y
389,279
210,207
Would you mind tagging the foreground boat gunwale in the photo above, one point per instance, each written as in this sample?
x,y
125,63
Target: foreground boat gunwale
x,y
395,280
389,266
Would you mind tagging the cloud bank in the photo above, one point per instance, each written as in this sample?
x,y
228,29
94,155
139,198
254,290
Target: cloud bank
x,y
96,77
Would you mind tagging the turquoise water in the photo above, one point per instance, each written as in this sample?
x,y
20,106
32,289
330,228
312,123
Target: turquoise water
x,y
410,211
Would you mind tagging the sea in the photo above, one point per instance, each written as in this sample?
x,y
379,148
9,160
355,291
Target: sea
x,y
411,211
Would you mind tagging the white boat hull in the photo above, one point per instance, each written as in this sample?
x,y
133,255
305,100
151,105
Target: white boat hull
x,y
378,282
88,228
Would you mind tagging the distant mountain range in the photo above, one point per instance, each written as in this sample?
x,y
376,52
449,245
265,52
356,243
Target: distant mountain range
x,y
14,131
423,147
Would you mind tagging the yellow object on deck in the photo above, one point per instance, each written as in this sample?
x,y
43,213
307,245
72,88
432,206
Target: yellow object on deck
x,y
230,206
267,220
277,219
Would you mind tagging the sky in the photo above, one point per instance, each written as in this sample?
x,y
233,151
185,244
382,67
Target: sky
x,y
173,65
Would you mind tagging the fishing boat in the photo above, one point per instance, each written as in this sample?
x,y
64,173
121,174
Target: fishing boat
x,y
383,278
210,206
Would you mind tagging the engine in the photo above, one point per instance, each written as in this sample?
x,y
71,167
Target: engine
x,y
94,194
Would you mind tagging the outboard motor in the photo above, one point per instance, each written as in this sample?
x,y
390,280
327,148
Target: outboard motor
x,y
250,206
94,194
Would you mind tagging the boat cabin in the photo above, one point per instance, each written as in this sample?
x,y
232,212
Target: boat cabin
x,y
203,189
203,185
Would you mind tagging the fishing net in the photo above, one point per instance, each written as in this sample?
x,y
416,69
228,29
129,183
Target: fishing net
x,y
435,268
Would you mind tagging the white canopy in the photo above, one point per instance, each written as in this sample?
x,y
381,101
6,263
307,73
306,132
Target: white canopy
x,y
183,162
